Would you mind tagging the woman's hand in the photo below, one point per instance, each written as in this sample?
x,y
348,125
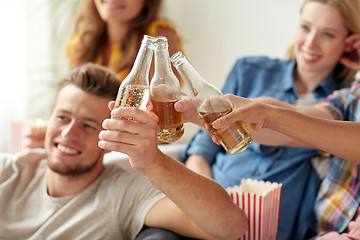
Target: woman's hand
x,y
353,45
35,138
189,112
250,111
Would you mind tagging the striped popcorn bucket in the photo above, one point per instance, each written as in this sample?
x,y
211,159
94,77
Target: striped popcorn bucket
x,y
21,129
261,202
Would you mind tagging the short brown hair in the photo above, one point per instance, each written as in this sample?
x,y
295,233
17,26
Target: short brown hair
x,y
93,79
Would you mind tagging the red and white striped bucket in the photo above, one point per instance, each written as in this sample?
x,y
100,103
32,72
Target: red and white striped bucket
x,y
21,129
261,202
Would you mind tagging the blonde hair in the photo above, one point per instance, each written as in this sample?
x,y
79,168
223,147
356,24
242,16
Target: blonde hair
x,y
349,10
91,31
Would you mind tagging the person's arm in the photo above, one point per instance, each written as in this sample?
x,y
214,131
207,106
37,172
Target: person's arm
x,y
339,138
269,136
195,161
202,209
265,136
198,164
197,207
35,139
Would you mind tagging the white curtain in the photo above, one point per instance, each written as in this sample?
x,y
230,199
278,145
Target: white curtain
x,y
32,47
49,25
12,66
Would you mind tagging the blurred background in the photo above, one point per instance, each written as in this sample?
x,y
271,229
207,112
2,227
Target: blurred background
x,y
215,33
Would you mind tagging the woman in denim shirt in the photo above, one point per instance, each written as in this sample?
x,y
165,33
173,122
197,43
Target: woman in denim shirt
x,y
317,65
338,200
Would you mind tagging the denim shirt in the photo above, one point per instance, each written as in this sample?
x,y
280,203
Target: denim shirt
x,y
262,76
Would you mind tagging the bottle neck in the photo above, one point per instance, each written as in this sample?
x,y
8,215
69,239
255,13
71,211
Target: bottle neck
x,y
162,61
194,82
188,74
139,74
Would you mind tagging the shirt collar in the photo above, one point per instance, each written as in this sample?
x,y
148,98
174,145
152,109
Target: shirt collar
x,y
325,88
328,85
288,82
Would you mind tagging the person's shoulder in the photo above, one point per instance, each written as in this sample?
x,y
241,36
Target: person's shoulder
x,y
159,24
26,160
163,27
70,47
32,157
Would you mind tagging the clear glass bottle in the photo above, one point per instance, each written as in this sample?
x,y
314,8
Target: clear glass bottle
x,y
211,105
134,90
165,91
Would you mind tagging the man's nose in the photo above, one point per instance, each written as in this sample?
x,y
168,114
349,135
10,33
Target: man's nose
x,y
71,131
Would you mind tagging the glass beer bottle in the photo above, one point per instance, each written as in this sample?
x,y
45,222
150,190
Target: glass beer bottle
x,y
165,92
211,105
134,90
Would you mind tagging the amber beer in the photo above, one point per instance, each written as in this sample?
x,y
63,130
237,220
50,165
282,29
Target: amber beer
x,y
171,126
234,138
165,91
211,104
133,96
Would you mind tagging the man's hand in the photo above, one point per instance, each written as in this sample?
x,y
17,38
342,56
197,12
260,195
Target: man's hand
x,y
132,131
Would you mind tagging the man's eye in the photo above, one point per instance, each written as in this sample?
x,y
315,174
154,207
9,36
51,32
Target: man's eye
x,y
63,118
327,34
89,126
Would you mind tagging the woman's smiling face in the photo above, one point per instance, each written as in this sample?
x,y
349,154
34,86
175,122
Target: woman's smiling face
x,y
319,39
119,11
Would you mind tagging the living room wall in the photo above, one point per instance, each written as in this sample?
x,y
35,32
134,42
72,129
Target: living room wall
x,y
214,34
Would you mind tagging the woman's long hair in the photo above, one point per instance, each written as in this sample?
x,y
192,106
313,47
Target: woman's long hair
x,y
91,31
349,11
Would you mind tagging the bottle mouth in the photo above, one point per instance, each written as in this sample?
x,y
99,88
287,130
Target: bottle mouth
x,y
160,43
148,40
177,58
160,39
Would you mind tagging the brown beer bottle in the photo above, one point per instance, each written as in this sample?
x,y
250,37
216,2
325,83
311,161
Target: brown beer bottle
x,y
211,105
134,90
165,92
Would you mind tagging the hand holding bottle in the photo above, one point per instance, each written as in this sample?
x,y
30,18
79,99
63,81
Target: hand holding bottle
x,y
190,114
211,105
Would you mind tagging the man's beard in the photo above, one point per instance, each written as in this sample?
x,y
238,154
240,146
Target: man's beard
x,y
76,170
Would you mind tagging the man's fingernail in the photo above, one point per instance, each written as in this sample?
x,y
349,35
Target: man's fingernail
x,y
179,106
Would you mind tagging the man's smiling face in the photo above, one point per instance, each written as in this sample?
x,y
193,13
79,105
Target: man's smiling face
x,y
71,140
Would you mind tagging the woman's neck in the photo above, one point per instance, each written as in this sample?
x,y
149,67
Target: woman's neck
x,y
305,82
116,33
